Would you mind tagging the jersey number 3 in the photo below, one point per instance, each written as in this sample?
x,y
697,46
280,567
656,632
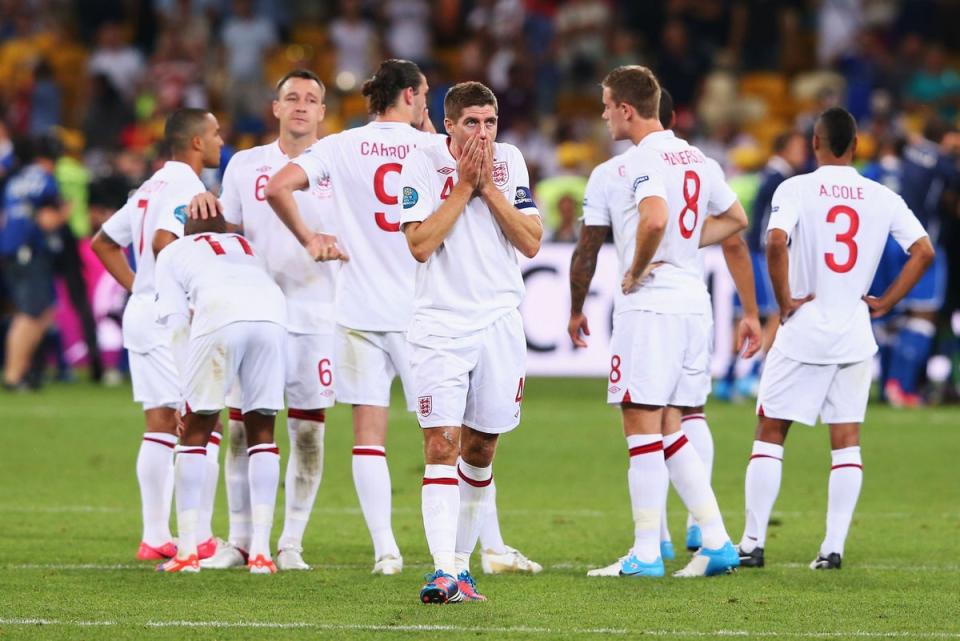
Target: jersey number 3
x,y
845,238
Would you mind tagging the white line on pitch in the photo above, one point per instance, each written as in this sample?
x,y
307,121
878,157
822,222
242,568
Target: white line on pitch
x,y
359,627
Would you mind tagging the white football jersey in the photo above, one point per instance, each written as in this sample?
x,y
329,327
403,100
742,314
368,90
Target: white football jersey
x,y
375,287
474,277
160,203
221,279
694,187
838,222
308,286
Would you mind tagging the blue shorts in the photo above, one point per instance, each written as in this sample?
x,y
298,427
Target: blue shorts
x,y
930,291
766,301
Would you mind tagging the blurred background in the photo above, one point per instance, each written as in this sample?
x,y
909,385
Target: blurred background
x,y
89,83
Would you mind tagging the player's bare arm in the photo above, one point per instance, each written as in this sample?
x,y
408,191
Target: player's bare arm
x,y
113,258
162,238
716,229
737,256
279,195
583,265
425,237
778,263
524,232
921,257
651,225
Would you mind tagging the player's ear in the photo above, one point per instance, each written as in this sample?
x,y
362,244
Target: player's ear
x,y
816,142
275,107
323,111
853,146
448,125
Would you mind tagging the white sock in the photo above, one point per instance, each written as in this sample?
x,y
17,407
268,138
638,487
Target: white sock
x,y
647,480
690,480
190,470
155,476
474,496
204,524
491,540
664,527
236,474
440,503
304,471
697,431
761,486
371,477
846,477
264,479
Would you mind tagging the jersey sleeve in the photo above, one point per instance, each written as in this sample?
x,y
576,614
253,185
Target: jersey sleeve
x,y
172,215
596,209
784,209
171,297
646,178
522,195
314,164
230,194
416,198
118,227
905,228
722,196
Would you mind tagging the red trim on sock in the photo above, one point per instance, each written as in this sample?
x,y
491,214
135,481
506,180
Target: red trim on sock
x,y
856,465
366,451
272,450
690,417
235,414
156,440
753,456
317,416
474,482
649,448
194,450
214,438
441,481
670,451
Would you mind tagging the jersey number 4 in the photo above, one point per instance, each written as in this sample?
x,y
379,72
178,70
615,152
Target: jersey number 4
x,y
845,238
218,248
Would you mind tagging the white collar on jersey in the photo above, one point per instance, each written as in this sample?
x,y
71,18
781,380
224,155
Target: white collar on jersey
x,y
179,165
655,136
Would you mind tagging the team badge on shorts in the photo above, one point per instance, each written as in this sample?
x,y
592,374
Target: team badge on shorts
x,y
425,406
500,174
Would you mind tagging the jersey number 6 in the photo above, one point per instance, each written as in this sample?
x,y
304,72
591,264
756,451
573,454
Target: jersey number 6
x,y
383,196
846,238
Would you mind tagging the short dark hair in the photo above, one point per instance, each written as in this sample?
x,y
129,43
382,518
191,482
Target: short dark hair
x,y
391,78
215,224
666,109
305,74
467,94
838,128
182,126
636,86
782,140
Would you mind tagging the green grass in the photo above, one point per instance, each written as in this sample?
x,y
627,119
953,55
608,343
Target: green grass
x,y
70,500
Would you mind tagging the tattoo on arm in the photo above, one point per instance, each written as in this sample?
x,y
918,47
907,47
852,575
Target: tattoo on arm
x,y
584,264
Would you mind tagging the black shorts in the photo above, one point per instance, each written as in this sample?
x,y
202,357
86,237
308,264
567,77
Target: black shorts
x,y
30,284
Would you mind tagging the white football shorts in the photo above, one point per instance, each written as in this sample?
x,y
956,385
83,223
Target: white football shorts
x,y
366,364
155,380
475,380
660,359
795,391
309,376
250,352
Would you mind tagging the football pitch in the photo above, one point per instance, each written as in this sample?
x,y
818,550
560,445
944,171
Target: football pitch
x,y
70,525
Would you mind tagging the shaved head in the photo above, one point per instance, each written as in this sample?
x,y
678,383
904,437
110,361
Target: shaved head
x,y
182,126
213,225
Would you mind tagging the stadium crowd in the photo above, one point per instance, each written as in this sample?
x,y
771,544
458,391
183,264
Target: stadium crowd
x,y
85,88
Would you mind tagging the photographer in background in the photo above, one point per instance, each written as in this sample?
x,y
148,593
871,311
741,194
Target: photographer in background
x,y
32,216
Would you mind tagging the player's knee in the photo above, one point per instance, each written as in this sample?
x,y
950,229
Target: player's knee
x,y
772,430
477,448
441,445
